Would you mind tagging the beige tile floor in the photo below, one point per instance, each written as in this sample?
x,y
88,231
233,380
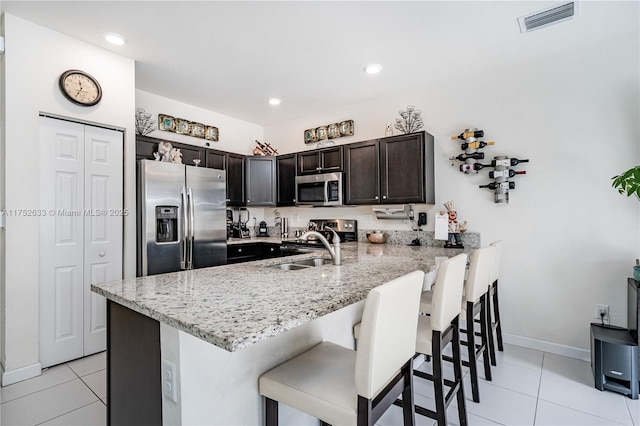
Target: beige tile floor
x,y
68,394
528,388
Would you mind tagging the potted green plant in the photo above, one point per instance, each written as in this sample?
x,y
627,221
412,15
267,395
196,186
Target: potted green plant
x,y
628,183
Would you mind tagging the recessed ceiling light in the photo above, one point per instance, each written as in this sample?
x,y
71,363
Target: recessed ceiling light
x,y
373,68
275,101
116,39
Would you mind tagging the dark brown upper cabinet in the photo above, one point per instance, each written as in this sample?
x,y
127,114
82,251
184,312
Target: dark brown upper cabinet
x,y
286,172
216,159
393,170
233,164
146,146
362,170
325,160
261,181
235,179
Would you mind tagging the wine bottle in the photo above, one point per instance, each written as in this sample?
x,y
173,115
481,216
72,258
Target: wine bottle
x,y
507,162
499,185
475,145
473,155
470,168
471,134
505,173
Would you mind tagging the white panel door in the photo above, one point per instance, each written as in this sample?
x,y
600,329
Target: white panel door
x,y
80,235
102,228
61,241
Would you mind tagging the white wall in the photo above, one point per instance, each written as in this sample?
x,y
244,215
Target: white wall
x,y
34,59
570,238
2,160
235,135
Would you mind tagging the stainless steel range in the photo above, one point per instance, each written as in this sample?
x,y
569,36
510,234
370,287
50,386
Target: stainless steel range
x,y
346,229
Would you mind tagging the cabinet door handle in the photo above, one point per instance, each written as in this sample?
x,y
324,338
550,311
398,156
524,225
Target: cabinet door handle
x,y
377,198
384,197
239,250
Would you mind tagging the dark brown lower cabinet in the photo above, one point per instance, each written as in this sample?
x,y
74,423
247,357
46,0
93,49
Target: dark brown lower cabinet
x,y
134,375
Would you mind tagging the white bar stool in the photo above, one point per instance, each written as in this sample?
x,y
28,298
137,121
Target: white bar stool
x,y
439,329
342,386
474,304
493,308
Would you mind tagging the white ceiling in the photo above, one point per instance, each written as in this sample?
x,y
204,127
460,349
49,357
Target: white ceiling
x,y
231,57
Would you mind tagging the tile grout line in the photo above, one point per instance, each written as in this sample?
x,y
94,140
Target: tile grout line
x,y
571,408
535,413
41,389
68,412
89,387
584,412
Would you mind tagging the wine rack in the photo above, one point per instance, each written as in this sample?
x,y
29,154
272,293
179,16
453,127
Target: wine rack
x,y
502,165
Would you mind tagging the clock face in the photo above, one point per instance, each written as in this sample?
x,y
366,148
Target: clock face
x,y
80,88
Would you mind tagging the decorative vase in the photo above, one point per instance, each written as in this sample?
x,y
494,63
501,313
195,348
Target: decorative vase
x,y
636,273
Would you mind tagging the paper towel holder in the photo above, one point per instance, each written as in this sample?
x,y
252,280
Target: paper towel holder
x,y
398,212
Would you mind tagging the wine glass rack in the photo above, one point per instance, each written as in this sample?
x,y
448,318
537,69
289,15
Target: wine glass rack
x,y
502,165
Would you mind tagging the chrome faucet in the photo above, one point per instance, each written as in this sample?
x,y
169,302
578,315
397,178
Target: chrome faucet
x,y
335,251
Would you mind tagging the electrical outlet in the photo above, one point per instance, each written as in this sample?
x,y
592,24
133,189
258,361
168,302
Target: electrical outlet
x,y
169,380
600,309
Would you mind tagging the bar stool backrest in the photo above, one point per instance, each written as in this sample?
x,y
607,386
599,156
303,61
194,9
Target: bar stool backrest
x,y
447,292
479,273
388,332
497,259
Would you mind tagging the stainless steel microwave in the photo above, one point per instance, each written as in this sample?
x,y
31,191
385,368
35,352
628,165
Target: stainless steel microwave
x,y
319,190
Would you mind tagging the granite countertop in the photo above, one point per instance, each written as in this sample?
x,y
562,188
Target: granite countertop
x,y
236,306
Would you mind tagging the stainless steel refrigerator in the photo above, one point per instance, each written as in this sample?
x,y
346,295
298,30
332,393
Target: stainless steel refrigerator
x,y
182,220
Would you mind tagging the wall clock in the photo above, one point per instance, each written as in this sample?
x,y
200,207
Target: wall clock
x,y
80,88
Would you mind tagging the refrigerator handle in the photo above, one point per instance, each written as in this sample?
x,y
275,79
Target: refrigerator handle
x,y
185,230
191,229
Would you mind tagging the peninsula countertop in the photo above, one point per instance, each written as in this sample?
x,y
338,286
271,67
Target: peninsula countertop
x,y
236,306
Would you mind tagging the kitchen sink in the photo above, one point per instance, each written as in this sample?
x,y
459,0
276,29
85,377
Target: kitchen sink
x,y
316,261
302,264
289,266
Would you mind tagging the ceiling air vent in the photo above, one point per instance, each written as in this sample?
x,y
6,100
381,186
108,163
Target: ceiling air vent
x,y
546,17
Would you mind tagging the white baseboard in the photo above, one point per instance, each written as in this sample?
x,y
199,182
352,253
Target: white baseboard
x,y
20,374
553,348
